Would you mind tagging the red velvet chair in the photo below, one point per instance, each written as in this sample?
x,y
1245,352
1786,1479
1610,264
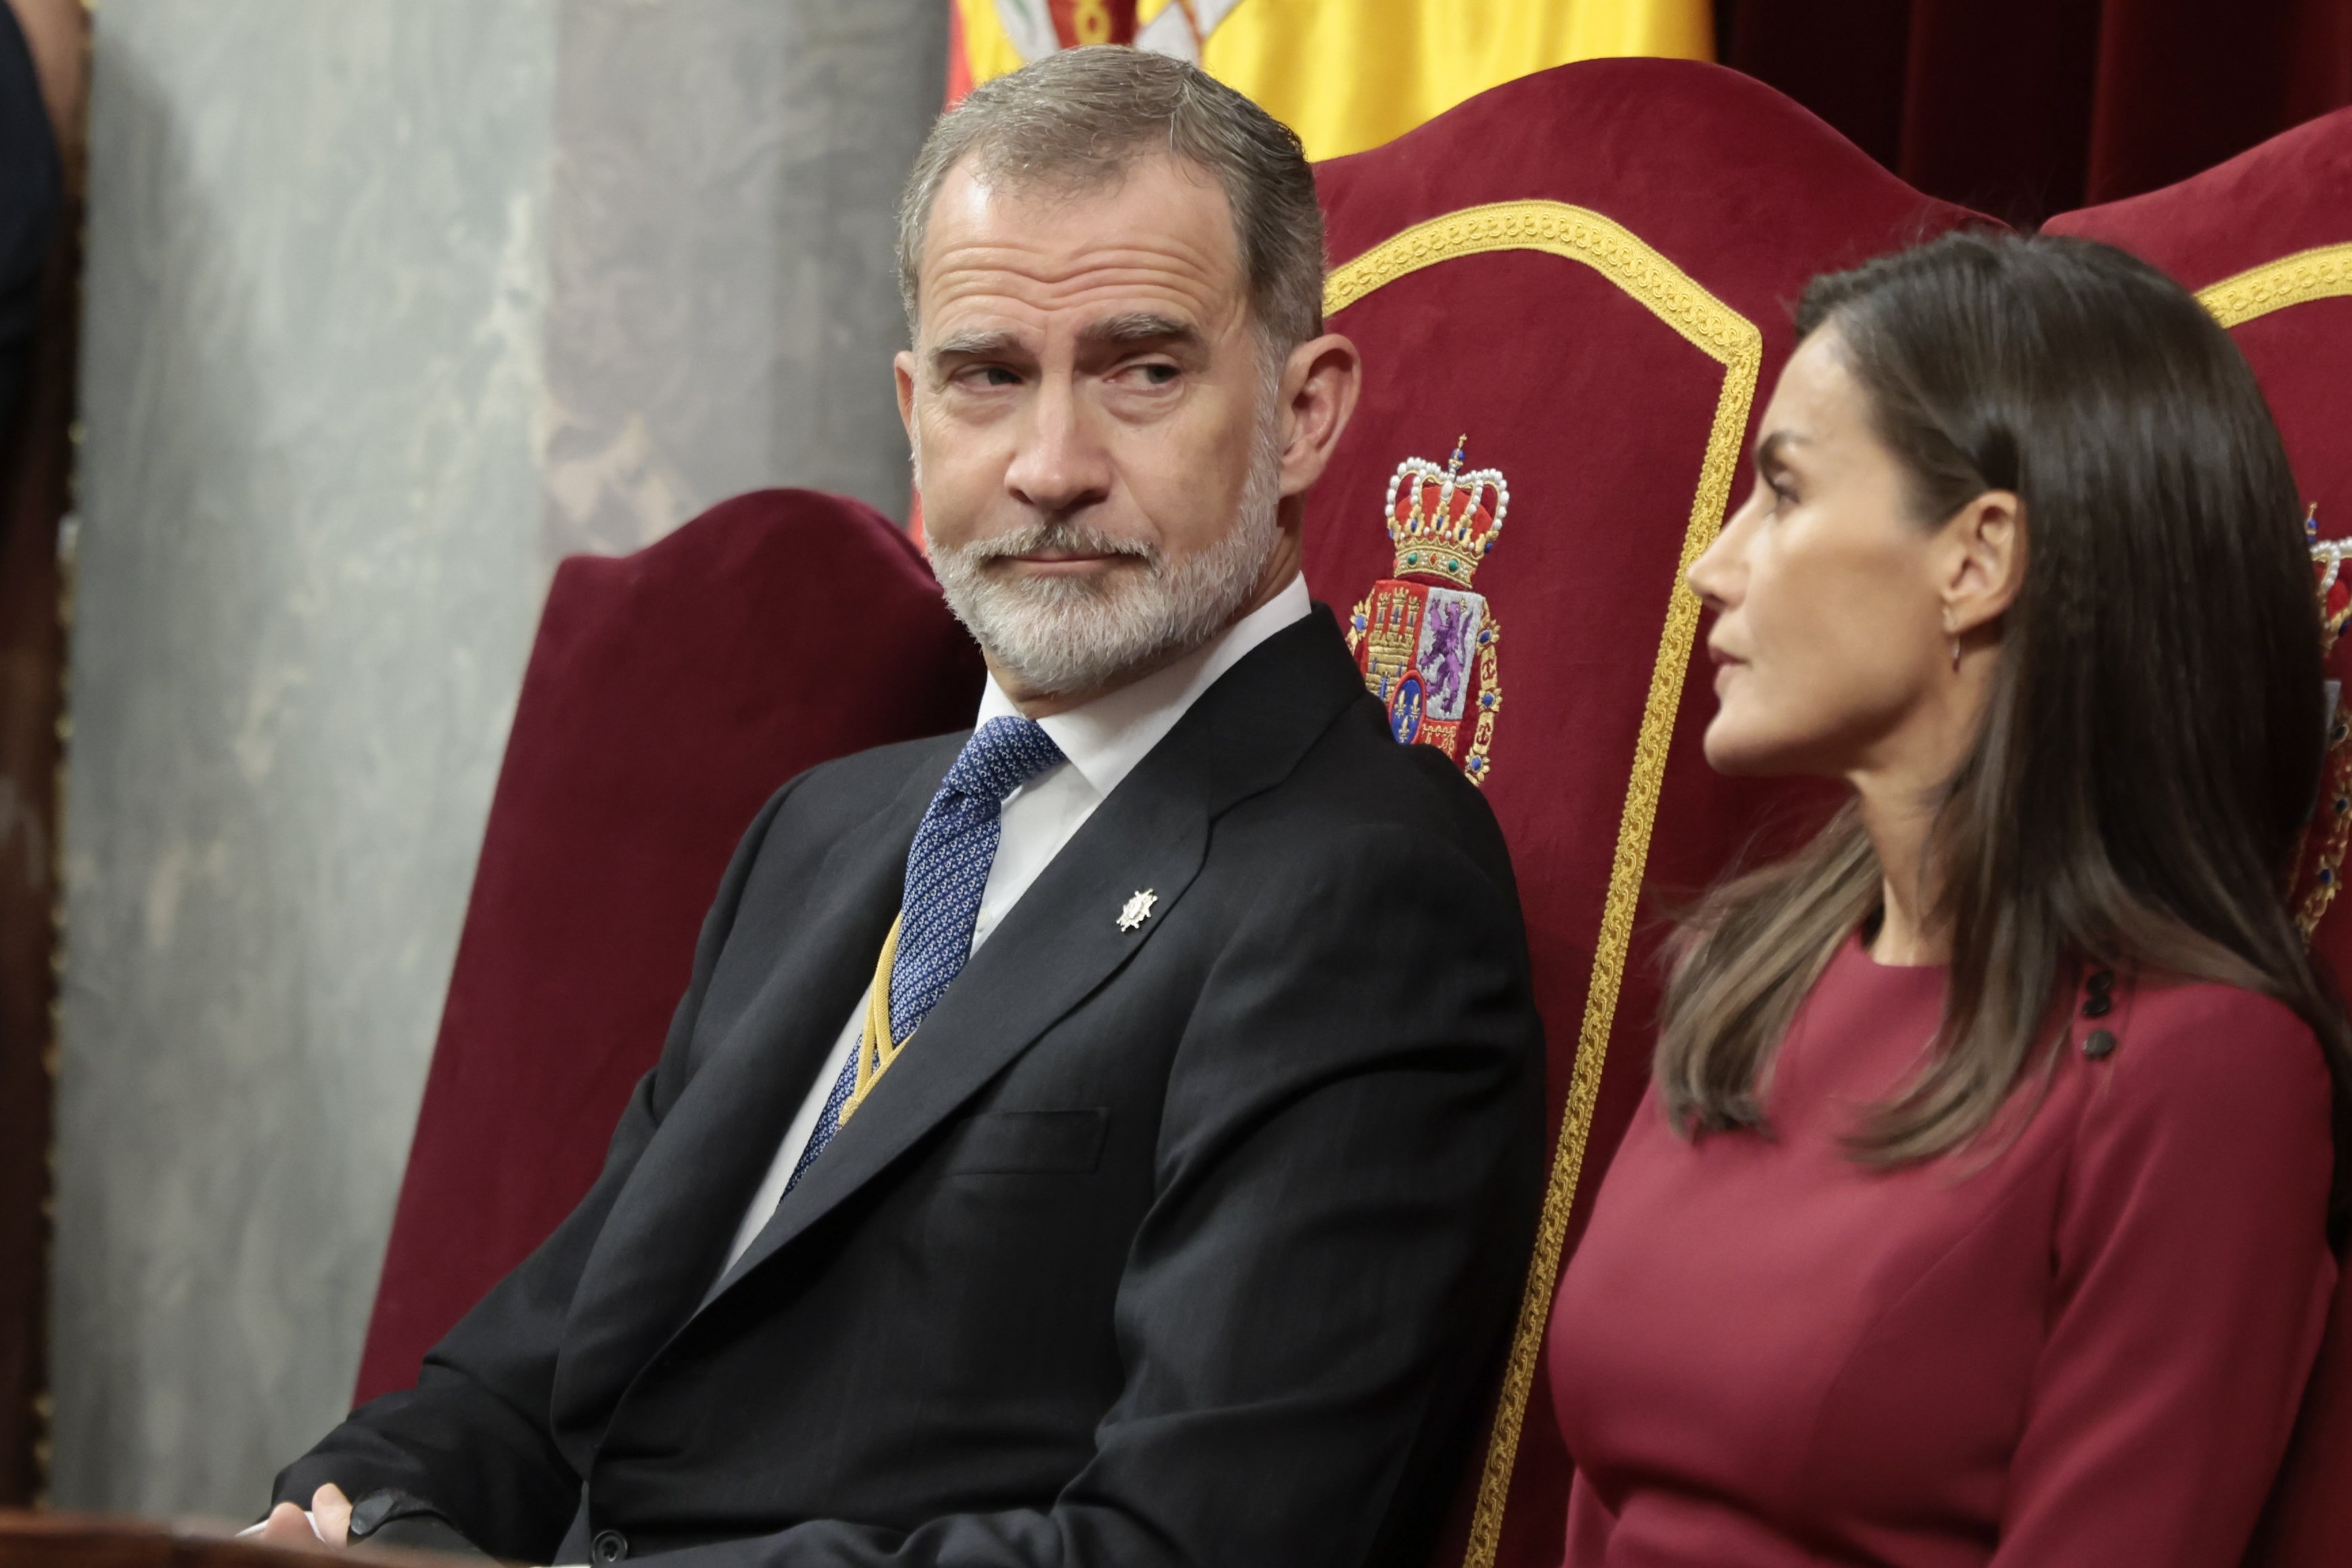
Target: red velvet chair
x,y
669,694
2266,240
1588,273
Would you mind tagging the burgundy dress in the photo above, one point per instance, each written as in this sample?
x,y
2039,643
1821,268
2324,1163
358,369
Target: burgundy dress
x,y
2081,1344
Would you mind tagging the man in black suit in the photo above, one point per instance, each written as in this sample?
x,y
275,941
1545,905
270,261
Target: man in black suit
x,y
1111,1136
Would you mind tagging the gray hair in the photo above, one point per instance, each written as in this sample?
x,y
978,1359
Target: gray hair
x,y
1080,118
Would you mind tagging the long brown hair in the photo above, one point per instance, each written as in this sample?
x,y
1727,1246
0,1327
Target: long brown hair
x,y
2152,739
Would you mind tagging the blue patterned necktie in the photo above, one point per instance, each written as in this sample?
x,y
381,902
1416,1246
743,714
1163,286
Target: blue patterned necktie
x,y
947,871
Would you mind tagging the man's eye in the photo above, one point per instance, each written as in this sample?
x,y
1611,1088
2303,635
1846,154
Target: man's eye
x,y
997,376
1159,374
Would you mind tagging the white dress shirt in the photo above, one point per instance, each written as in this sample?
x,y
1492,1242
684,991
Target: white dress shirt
x,y
1102,740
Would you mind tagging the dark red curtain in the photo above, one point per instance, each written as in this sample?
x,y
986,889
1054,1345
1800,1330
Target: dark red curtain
x,y
2027,108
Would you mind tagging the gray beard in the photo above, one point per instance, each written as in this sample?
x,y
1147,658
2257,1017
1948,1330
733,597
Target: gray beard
x,y
1053,635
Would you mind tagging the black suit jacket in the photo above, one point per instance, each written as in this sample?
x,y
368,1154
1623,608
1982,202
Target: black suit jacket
x,y
1191,1244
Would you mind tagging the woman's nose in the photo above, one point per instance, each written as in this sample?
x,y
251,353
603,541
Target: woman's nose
x,y
1708,573
1716,575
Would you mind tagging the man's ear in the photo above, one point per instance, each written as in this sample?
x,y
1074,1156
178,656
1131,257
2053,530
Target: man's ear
x,y
1320,382
902,367
1984,562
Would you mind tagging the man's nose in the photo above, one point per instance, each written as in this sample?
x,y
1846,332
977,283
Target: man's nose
x,y
1061,465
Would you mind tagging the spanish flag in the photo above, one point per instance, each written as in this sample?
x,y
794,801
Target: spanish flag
x,y
1345,74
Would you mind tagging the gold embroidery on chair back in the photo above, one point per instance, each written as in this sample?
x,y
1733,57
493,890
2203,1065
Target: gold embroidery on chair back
x,y
1581,235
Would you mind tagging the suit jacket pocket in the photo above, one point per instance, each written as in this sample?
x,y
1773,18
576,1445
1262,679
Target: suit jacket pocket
x,y
1014,1143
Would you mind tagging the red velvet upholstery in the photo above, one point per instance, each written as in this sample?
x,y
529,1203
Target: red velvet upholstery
x,y
1597,412
669,693
2281,203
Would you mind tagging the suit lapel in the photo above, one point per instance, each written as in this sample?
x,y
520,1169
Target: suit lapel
x,y
1062,939
1056,946
670,1224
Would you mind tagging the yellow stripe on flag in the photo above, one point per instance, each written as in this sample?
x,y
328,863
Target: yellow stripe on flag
x,y
988,49
1352,74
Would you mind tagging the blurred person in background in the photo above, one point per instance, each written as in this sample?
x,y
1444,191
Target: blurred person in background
x,y
43,54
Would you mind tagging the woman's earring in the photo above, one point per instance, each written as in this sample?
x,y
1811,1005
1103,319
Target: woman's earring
x,y
1955,655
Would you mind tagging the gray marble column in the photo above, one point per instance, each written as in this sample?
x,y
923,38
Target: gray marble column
x,y
725,216
389,303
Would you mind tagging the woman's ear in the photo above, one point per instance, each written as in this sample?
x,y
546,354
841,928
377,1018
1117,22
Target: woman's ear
x,y
1983,561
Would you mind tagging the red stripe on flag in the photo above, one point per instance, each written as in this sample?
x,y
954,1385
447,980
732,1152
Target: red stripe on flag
x,y
959,64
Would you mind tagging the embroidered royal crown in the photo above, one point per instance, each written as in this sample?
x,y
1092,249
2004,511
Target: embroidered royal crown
x,y
1443,522
2327,835
2327,558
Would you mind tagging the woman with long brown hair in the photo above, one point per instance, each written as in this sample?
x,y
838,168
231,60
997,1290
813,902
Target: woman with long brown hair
x,y
1982,1211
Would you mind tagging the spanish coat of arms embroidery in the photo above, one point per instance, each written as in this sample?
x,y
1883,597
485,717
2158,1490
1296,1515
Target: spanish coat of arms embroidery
x,y
2319,858
1429,647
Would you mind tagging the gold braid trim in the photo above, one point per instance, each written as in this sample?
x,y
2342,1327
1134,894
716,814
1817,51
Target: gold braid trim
x,y
1579,234
2323,273
875,1049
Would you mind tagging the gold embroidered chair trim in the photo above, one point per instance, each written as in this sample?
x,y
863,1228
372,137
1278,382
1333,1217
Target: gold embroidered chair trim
x,y
2321,273
875,1049
1581,235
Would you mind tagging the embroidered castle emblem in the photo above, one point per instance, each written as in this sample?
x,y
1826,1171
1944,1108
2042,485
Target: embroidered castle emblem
x,y
1426,644
2319,858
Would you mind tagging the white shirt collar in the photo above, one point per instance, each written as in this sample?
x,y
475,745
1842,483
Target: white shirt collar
x,y
1105,738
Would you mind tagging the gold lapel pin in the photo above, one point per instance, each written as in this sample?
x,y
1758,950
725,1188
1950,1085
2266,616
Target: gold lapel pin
x,y
1138,909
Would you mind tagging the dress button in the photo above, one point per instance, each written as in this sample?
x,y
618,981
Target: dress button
x,y
2099,1005
2103,981
2100,1044
610,1546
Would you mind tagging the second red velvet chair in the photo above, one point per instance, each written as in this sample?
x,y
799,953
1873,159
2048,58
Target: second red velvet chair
x,y
2266,241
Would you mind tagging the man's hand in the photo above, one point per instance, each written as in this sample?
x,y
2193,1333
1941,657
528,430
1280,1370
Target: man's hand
x,y
330,1508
